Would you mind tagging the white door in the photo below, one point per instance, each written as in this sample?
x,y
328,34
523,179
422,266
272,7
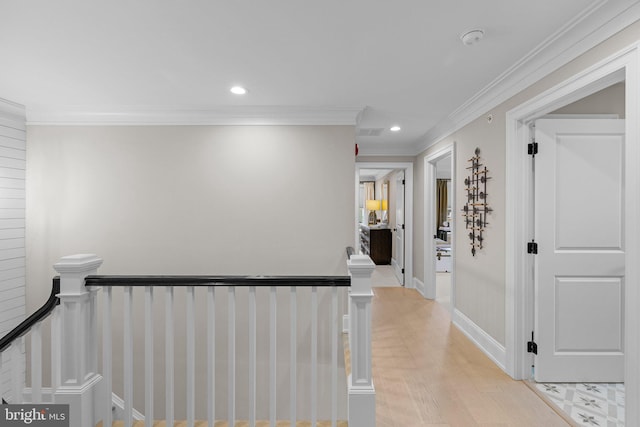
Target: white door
x,y
579,268
399,229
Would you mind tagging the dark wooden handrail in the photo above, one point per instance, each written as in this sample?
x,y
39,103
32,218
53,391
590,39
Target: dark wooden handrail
x,y
320,281
350,251
36,317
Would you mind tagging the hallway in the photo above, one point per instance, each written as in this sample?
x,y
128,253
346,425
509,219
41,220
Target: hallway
x,y
427,373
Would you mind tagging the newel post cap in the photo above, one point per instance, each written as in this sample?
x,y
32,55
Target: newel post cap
x,y
360,267
78,263
73,269
361,264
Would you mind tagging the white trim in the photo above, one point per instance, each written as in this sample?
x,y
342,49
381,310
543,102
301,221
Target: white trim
x,y
574,39
420,287
396,269
519,216
408,209
485,342
386,149
117,405
429,228
177,115
118,408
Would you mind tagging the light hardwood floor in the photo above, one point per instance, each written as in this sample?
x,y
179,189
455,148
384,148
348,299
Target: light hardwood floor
x,y
427,373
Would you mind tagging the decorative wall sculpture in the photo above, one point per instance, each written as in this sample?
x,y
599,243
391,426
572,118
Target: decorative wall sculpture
x,y
476,208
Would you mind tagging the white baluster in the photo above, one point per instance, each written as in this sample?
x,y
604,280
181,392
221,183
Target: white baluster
x,y
211,355
334,356
191,356
92,331
36,363
169,413
293,356
231,386
148,352
107,370
314,355
252,356
128,355
273,385
17,373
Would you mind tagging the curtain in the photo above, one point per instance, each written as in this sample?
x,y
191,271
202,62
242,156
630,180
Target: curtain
x,y
441,202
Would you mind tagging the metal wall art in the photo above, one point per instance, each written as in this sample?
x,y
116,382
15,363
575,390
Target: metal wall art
x,y
476,208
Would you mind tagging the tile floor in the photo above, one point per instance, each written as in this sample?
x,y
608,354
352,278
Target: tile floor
x,y
599,405
383,276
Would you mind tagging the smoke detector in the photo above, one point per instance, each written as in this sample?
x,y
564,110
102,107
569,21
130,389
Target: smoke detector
x,y
472,37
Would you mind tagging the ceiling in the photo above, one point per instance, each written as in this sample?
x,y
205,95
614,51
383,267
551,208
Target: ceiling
x,y
374,63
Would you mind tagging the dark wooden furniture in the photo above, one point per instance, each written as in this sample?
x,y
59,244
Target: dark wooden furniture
x,y
376,242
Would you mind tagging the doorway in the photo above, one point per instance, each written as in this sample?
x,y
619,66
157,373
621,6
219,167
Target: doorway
x,y
439,226
393,190
444,231
521,222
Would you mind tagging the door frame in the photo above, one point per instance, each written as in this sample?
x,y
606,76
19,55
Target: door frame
x,y
408,211
622,66
429,227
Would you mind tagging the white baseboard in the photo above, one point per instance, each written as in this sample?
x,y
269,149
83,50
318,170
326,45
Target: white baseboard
x,y
485,342
419,286
398,271
427,291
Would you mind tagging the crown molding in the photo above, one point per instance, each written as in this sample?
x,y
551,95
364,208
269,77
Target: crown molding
x,y
147,115
584,32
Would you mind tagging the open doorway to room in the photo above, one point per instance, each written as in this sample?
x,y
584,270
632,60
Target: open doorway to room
x,y
568,273
384,220
439,227
443,222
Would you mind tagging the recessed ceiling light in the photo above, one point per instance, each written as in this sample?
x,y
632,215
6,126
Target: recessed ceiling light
x,y
394,128
238,90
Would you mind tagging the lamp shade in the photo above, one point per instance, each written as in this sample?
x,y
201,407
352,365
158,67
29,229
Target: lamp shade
x,y
385,205
373,205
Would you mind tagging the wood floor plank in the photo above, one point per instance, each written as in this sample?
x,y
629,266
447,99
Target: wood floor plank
x,y
428,373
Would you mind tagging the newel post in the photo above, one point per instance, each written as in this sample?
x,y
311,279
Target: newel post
x,y
362,394
79,376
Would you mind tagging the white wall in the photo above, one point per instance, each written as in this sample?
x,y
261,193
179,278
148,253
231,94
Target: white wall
x,y
480,280
12,222
272,200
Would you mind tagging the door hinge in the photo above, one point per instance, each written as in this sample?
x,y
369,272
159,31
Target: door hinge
x,y
532,148
532,347
403,271
532,247
403,226
403,182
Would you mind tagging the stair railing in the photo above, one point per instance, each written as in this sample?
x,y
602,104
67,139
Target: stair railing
x,y
77,382
151,285
13,343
